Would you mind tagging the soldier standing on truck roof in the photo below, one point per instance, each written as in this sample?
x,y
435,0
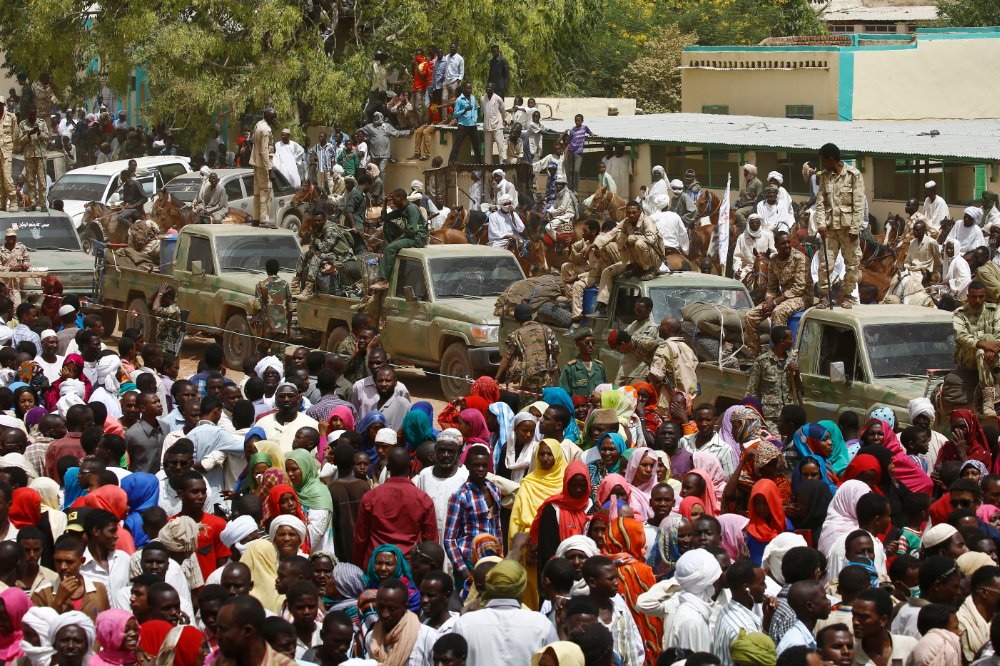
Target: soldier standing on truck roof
x,y
839,217
529,355
274,298
788,286
584,373
262,161
977,342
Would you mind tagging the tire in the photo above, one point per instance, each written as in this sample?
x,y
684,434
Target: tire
x,y
553,315
92,232
144,320
110,320
455,364
236,341
291,221
337,335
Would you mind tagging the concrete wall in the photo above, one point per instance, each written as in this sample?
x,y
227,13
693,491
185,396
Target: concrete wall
x,y
761,82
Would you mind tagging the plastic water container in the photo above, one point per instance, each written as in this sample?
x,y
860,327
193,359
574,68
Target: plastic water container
x,y
589,299
793,323
168,245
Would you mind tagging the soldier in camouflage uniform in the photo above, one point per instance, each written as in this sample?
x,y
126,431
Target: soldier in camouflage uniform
x,y
273,318
33,139
529,355
13,258
332,245
977,341
771,376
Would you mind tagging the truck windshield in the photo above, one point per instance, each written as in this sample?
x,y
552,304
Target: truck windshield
x,y
667,302
185,189
250,253
79,187
901,350
454,277
42,233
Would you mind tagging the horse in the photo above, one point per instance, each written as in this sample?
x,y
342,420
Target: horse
x,y
756,279
606,203
908,287
708,205
547,255
100,223
878,264
170,213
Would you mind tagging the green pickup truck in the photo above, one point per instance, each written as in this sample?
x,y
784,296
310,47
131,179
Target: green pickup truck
x,y
852,359
669,293
437,313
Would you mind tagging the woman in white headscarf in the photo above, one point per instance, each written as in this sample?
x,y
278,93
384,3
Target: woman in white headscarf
x,y
577,549
106,385
657,196
516,460
36,645
756,239
956,275
968,234
922,414
688,625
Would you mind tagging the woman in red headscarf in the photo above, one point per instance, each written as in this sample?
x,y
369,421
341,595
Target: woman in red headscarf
x,y
625,543
967,441
25,508
767,518
283,500
564,514
865,467
115,500
646,407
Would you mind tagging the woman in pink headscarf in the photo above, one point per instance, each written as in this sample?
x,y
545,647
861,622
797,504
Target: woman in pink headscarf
x,y
641,470
15,603
615,486
709,463
734,538
698,482
118,637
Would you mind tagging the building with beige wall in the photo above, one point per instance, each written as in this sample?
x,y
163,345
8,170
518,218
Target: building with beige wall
x,y
927,75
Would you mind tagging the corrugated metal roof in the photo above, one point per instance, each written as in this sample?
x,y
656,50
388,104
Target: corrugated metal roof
x,y
956,139
918,13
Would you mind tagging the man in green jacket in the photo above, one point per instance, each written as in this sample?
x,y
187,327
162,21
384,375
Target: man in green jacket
x,y
402,227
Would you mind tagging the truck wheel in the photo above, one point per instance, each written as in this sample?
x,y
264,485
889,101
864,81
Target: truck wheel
x,y
91,233
337,335
292,222
236,341
144,320
110,320
456,368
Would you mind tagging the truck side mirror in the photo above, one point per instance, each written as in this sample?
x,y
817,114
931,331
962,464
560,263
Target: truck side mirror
x,y
837,373
198,269
409,295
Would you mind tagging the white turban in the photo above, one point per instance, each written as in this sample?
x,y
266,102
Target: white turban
x,y
204,170
499,172
373,170
920,406
579,542
179,535
774,175
677,184
506,198
339,170
289,521
929,184
71,618
265,363
71,392
937,535
750,169
238,530
696,572
975,212
417,186
39,618
663,172
107,374
775,551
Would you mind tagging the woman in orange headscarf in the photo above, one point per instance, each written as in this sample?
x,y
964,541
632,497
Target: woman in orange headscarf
x,y
767,518
625,542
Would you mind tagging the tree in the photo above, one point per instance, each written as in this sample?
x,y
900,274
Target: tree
x,y
969,13
654,78
719,22
209,58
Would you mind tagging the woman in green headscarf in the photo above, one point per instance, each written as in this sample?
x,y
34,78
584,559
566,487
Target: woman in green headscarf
x,y
303,472
417,429
839,457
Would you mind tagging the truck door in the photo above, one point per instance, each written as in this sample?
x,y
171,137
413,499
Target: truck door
x,y
192,287
822,348
407,312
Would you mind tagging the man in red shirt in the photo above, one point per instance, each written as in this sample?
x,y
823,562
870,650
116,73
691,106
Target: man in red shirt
x,y
423,72
78,419
396,512
211,552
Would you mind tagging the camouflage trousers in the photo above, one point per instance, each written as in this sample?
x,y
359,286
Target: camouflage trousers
x,y
975,359
535,383
779,317
308,265
268,348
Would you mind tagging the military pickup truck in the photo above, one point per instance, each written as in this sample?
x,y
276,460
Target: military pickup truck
x,y
852,359
54,248
669,292
437,313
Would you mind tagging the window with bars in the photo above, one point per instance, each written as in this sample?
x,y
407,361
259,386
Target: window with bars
x,y
803,111
717,109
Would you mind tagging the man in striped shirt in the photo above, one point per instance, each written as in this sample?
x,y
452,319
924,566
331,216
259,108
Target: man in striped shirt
x,y
746,584
474,509
321,158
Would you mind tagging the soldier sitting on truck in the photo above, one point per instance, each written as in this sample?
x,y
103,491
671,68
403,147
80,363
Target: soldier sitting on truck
x,y
402,227
330,246
640,248
977,342
529,355
587,258
788,286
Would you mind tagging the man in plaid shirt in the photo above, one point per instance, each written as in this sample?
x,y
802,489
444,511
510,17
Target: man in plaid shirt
x,y
474,509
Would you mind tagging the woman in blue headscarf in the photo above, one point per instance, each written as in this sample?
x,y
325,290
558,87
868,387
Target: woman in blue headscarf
x,y
501,432
73,491
143,491
428,409
611,447
555,395
416,429
813,440
840,458
368,427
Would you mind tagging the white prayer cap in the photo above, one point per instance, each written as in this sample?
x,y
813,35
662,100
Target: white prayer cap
x,y
929,184
506,199
499,172
774,175
677,184
47,333
562,179
338,169
286,131
387,436
66,310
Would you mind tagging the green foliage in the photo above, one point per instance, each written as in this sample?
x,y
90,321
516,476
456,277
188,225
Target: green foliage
x,y
970,13
653,78
719,22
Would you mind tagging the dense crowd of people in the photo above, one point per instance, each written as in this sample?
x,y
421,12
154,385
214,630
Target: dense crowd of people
x,y
314,512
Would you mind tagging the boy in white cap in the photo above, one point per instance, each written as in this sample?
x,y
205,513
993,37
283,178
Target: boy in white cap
x,y
935,208
48,358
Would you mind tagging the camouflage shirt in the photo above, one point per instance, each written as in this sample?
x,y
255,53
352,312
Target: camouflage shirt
x,y
16,259
971,327
533,351
274,296
769,382
334,244
356,204
168,326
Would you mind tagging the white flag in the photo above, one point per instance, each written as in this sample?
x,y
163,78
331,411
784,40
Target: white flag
x,y
722,230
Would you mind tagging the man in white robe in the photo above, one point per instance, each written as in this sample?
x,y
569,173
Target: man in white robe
x,y
967,231
657,196
504,223
288,158
935,208
775,214
755,240
621,168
